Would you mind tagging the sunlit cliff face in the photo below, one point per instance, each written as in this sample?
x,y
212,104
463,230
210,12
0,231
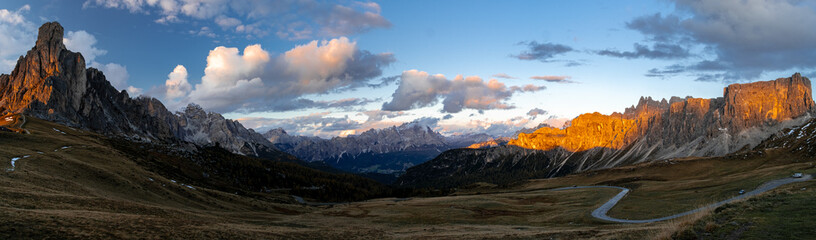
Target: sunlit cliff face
x,y
743,106
585,132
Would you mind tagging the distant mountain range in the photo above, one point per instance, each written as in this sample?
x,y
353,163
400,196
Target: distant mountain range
x,y
52,83
386,151
746,115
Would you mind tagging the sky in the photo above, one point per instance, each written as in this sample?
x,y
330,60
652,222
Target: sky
x,y
334,68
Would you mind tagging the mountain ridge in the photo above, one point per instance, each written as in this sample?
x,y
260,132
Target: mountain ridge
x,y
746,115
51,82
386,150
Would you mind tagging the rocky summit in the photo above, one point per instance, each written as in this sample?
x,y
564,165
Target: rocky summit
x,y
746,115
52,83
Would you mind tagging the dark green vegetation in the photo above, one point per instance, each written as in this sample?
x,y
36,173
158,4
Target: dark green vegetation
x,y
472,170
381,162
219,169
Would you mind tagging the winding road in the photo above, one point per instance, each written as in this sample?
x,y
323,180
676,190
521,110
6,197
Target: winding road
x,y
601,212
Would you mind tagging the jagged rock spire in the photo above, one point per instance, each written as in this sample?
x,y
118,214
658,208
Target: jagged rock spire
x,y
49,41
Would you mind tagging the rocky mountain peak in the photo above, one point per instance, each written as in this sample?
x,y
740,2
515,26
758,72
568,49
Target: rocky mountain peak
x,y
194,110
49,41
50,82
756,103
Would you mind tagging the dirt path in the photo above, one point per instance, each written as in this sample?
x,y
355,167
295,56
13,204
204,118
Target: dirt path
x,y
600,212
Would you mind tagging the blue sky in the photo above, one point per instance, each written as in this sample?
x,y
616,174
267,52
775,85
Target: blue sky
x,y
306,66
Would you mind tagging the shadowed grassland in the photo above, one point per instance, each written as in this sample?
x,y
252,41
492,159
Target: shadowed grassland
x,y
88,189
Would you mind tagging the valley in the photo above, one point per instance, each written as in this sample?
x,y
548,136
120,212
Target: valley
x,y
76,193
312,132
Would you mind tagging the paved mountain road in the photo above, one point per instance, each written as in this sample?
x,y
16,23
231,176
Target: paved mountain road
x,y
600,212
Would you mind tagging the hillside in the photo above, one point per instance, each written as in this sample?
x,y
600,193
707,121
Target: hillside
x,y
51,82
97,187
652,130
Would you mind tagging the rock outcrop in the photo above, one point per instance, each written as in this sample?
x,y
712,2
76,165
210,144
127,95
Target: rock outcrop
x,y
51,82
746,115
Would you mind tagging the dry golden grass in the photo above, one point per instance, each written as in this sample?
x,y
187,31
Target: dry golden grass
x,y
91,191
667,230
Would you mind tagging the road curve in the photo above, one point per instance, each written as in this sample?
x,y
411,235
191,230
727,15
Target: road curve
x,y
600,212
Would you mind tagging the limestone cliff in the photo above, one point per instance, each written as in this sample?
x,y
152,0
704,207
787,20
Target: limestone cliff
x,y
681,121
746,115
587,131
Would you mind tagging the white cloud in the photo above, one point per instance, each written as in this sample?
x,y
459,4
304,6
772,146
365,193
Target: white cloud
x,y
116,74
419,89
134,91
18,35
176,84
14,18
253,80
287,19
83,42
227,22
319,67
204,31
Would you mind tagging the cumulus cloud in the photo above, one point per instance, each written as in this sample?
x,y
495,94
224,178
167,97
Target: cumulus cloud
x,y
176,85
287,19
554,79
746,37
18,36
419,89
255,80
83,42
